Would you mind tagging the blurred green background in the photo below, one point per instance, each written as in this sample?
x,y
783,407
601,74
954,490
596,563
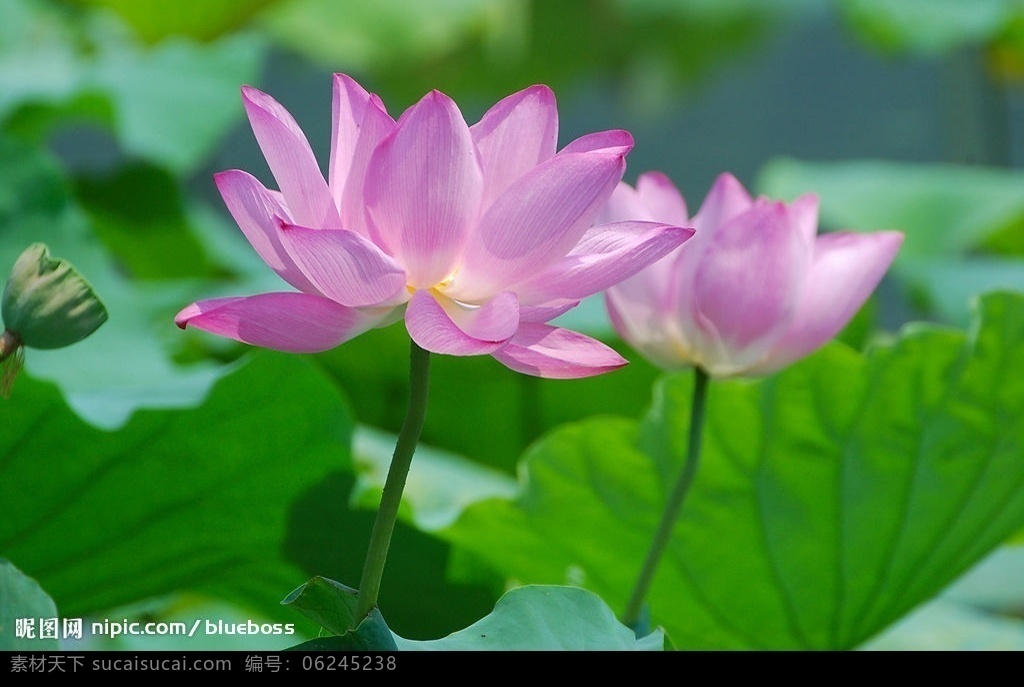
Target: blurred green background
x,y
172,473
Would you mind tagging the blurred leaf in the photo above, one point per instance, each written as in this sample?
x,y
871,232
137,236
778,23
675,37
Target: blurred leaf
x,y
949,285
515,408
980,611
326,536
126,364
39,61
621,392
995,585
192,499
481,50
945,625
543,618
203,19
137,211
169,104
590,317
361,35
920,441
175,101
440,484
34,121
859,331
373,368
21,597
927,27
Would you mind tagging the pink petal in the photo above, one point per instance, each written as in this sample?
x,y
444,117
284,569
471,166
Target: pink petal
x,y
545,311
636,314
624,204
293,322
613,142
541,350
535,222
291,160
495,320
514,136
666,203
726,199
803,213
344,266
746,288
607,255
375,126
445,329
348,109
847,268
643,309
423,189
256,211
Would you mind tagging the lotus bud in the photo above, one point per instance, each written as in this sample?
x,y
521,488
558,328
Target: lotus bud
x,y
46,304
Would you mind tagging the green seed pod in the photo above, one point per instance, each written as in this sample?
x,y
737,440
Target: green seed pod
x,y
47,303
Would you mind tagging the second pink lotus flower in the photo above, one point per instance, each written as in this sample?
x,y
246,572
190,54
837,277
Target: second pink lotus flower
x,y
755,289
477,235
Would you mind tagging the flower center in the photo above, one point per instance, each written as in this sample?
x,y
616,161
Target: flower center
x,y
445,283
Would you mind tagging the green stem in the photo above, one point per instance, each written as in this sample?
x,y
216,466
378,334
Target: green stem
x,y
631,616
387,514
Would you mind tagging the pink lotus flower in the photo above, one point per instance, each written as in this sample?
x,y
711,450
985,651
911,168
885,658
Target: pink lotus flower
x,y
479,235
753,291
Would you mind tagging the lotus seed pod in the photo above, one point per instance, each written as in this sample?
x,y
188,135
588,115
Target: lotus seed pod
x,y
47,303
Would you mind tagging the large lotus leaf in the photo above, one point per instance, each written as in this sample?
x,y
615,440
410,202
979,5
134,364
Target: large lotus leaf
x,y
23,601
832,499
198,499
543,618
530,618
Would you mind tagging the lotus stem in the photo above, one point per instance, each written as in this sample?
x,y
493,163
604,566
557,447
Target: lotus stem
x,y
632,614
394,485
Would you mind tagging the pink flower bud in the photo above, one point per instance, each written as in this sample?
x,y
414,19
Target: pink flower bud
x,y
754,290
